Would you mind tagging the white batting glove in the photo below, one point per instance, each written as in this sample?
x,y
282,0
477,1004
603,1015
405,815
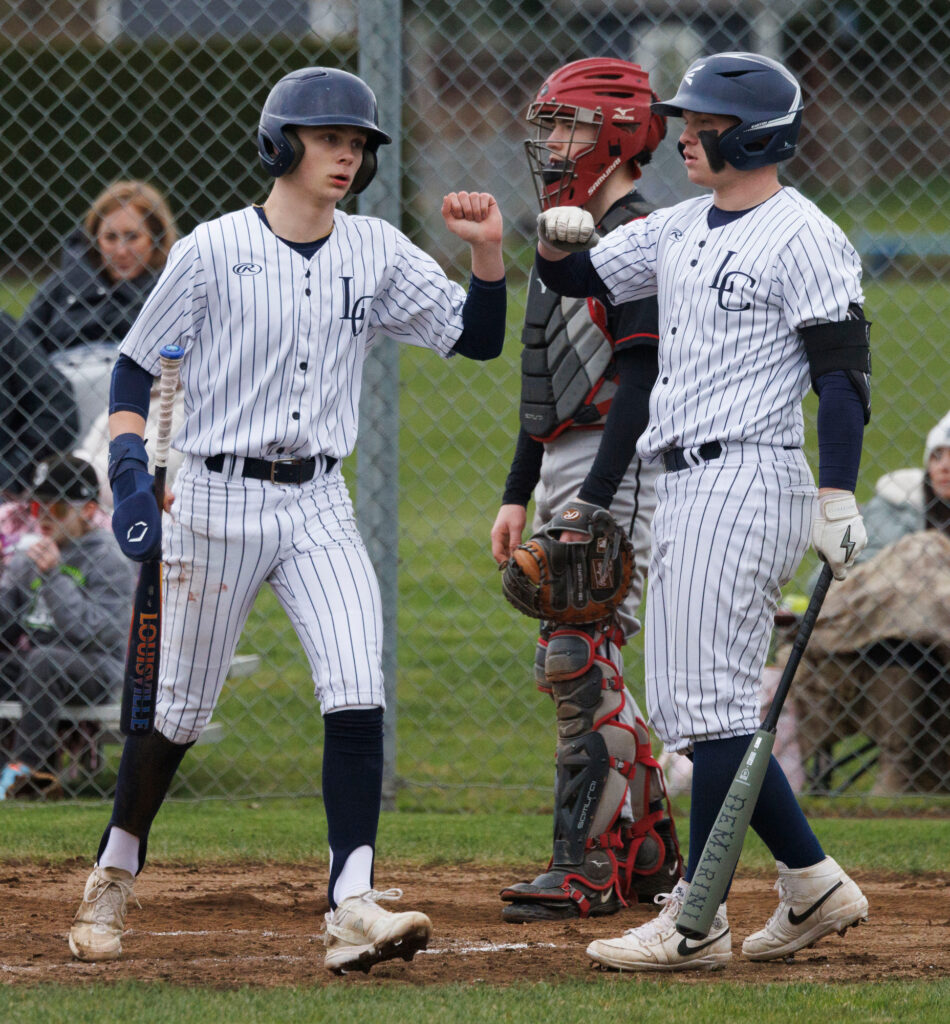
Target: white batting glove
x,y
568,228
838,533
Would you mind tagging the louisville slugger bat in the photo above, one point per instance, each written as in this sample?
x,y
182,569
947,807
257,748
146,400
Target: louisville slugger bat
x,y
721,852
142,657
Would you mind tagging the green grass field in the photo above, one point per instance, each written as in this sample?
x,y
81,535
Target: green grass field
x,y
284,832
481,1003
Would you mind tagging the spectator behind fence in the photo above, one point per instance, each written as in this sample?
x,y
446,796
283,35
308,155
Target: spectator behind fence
x,y
108,266
912,499
64,615
878,662
38,415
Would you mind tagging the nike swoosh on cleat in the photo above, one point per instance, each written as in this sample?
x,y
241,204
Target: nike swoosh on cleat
x,y
685,949
797,919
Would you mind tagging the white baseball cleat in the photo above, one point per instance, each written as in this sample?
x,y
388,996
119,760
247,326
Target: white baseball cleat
x,y
96,933
360,933
658,946
813,902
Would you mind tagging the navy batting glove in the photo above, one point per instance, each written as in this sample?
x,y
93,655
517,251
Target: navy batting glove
x,y
136,521
127,451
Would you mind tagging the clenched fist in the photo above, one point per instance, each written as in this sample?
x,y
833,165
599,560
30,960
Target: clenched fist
x,y
568,228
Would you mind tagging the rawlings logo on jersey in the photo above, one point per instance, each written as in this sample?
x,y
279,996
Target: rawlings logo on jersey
x,y
244,269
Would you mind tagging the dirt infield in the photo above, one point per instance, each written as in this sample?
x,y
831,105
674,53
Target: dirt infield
x,y
261,925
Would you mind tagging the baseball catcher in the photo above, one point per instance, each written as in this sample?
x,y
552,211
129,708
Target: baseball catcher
x,y
587,370
574,574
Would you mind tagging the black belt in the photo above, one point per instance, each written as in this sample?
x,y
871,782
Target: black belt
x,y
278,471
674,459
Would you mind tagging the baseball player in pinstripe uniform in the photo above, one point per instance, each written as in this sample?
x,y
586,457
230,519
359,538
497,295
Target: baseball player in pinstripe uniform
x,y
759,295
587,371
276,308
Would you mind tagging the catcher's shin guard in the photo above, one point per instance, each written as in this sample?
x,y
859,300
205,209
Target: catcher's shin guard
x,y
604,760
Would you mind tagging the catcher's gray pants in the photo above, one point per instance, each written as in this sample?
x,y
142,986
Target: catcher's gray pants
x,y
567,460
566,463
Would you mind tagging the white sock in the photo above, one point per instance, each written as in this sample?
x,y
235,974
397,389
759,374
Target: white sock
x,y
353,880
122,851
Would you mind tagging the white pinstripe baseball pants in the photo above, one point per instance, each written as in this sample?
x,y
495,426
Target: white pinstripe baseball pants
x,y
225,539
727,535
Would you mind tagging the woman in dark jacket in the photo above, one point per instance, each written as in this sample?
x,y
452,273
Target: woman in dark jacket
x,y
84,309
38,416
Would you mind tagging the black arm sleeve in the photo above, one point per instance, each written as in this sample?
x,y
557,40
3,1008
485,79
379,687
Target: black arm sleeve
x,y
840,431
573,276
525,470
626,420
483,320
134,384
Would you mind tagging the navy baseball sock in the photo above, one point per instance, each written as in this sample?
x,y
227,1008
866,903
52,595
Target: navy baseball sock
x,y
777,818
352,782
146,771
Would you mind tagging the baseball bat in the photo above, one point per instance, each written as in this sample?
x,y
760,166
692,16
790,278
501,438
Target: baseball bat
x,y
145,630
721,852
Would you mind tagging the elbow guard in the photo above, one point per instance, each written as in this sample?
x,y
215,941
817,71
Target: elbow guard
x,y
842,346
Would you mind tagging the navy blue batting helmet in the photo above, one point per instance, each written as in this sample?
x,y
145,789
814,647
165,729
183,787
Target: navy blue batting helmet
x,y
762,93
317,96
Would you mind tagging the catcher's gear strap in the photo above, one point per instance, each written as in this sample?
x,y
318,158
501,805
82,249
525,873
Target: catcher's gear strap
x,y
577,582
579,897
540,654
567,373
845,345
589,696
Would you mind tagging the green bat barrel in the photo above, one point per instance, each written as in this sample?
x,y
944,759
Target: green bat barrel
x,y
722,849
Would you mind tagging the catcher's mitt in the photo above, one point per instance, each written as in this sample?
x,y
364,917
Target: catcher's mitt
x,y
574,582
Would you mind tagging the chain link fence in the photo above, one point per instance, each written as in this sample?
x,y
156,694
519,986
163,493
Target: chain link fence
x,y
104,90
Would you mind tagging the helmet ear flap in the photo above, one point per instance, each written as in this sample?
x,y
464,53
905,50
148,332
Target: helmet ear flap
x,y
269,150
296,146
366,173
279,149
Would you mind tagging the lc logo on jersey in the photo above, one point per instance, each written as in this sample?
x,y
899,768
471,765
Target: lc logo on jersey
x,y
729,284
245,269
354,311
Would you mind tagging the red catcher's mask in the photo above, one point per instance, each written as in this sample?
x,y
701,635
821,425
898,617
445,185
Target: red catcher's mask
x,y
612,95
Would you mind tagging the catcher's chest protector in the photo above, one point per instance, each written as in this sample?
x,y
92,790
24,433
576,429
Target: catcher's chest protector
x,y
566,360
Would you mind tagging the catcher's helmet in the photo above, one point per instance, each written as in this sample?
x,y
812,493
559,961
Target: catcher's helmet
x,y
317,96
762,93
614,96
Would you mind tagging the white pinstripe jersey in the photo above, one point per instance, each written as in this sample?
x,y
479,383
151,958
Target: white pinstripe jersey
x,y
731,300
274,342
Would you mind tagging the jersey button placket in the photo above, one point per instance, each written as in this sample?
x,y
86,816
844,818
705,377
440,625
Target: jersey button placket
x,y
299,387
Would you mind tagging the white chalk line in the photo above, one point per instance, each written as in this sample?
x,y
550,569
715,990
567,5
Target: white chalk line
x,y
450,950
